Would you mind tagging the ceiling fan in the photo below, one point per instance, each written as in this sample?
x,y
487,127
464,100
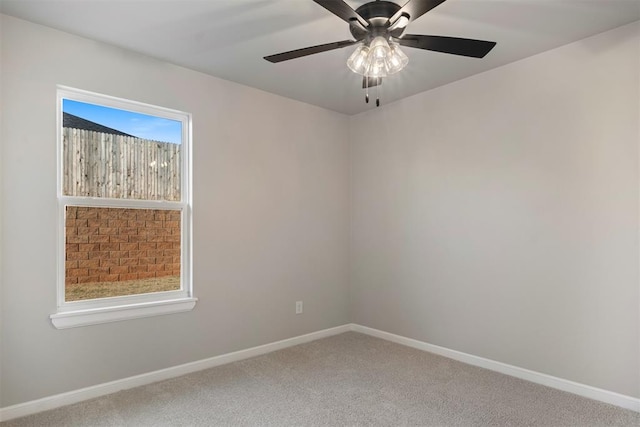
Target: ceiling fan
x,y
379,26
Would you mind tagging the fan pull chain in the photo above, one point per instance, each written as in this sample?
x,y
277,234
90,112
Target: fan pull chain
x,y
366,94
378,96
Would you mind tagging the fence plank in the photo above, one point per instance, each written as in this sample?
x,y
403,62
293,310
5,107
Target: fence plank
x,y
106,165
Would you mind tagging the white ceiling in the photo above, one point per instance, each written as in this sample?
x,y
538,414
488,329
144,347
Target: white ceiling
x,y
229,38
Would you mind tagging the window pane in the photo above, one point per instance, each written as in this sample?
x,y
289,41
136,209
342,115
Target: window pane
x,y
114,153
119,251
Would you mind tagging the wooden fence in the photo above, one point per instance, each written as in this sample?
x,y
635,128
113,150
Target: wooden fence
x,y
105,165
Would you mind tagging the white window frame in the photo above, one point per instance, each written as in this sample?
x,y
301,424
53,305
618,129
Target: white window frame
x,y
89,312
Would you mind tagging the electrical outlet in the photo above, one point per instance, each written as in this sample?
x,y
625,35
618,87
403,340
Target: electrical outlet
x,y
298,307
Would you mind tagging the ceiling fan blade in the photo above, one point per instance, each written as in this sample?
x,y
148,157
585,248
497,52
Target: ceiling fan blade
x,y
342,10
453,45
415,9
299,53
371,82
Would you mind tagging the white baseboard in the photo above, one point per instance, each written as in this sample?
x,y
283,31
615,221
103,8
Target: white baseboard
x,y
584,390
63,399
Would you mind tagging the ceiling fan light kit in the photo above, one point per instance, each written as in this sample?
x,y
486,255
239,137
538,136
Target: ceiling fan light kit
x,y
379,28
380,59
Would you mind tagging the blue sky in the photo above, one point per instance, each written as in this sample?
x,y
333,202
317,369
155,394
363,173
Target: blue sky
x,y
136,124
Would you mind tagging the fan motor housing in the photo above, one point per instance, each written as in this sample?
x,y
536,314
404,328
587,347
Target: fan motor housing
x,y
377,14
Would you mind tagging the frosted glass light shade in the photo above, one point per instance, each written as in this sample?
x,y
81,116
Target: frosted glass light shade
x,y
377,68
358,62
396,60
379,48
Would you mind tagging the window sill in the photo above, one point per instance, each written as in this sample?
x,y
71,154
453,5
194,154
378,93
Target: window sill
x,y
95,316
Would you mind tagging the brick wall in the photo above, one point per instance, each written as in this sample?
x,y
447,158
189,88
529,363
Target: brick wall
x,y
115,244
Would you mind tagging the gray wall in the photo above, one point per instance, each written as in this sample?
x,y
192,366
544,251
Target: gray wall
x,y
270,217
498,215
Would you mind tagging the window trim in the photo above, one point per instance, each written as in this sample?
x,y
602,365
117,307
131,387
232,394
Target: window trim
x,y
88,312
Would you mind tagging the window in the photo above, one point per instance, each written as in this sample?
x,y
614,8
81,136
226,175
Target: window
x,y
124,210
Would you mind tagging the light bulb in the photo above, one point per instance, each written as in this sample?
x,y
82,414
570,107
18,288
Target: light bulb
x,y
396,60
379,47
377,68
357,62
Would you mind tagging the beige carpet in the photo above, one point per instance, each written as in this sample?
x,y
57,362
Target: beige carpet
x,y
345,380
